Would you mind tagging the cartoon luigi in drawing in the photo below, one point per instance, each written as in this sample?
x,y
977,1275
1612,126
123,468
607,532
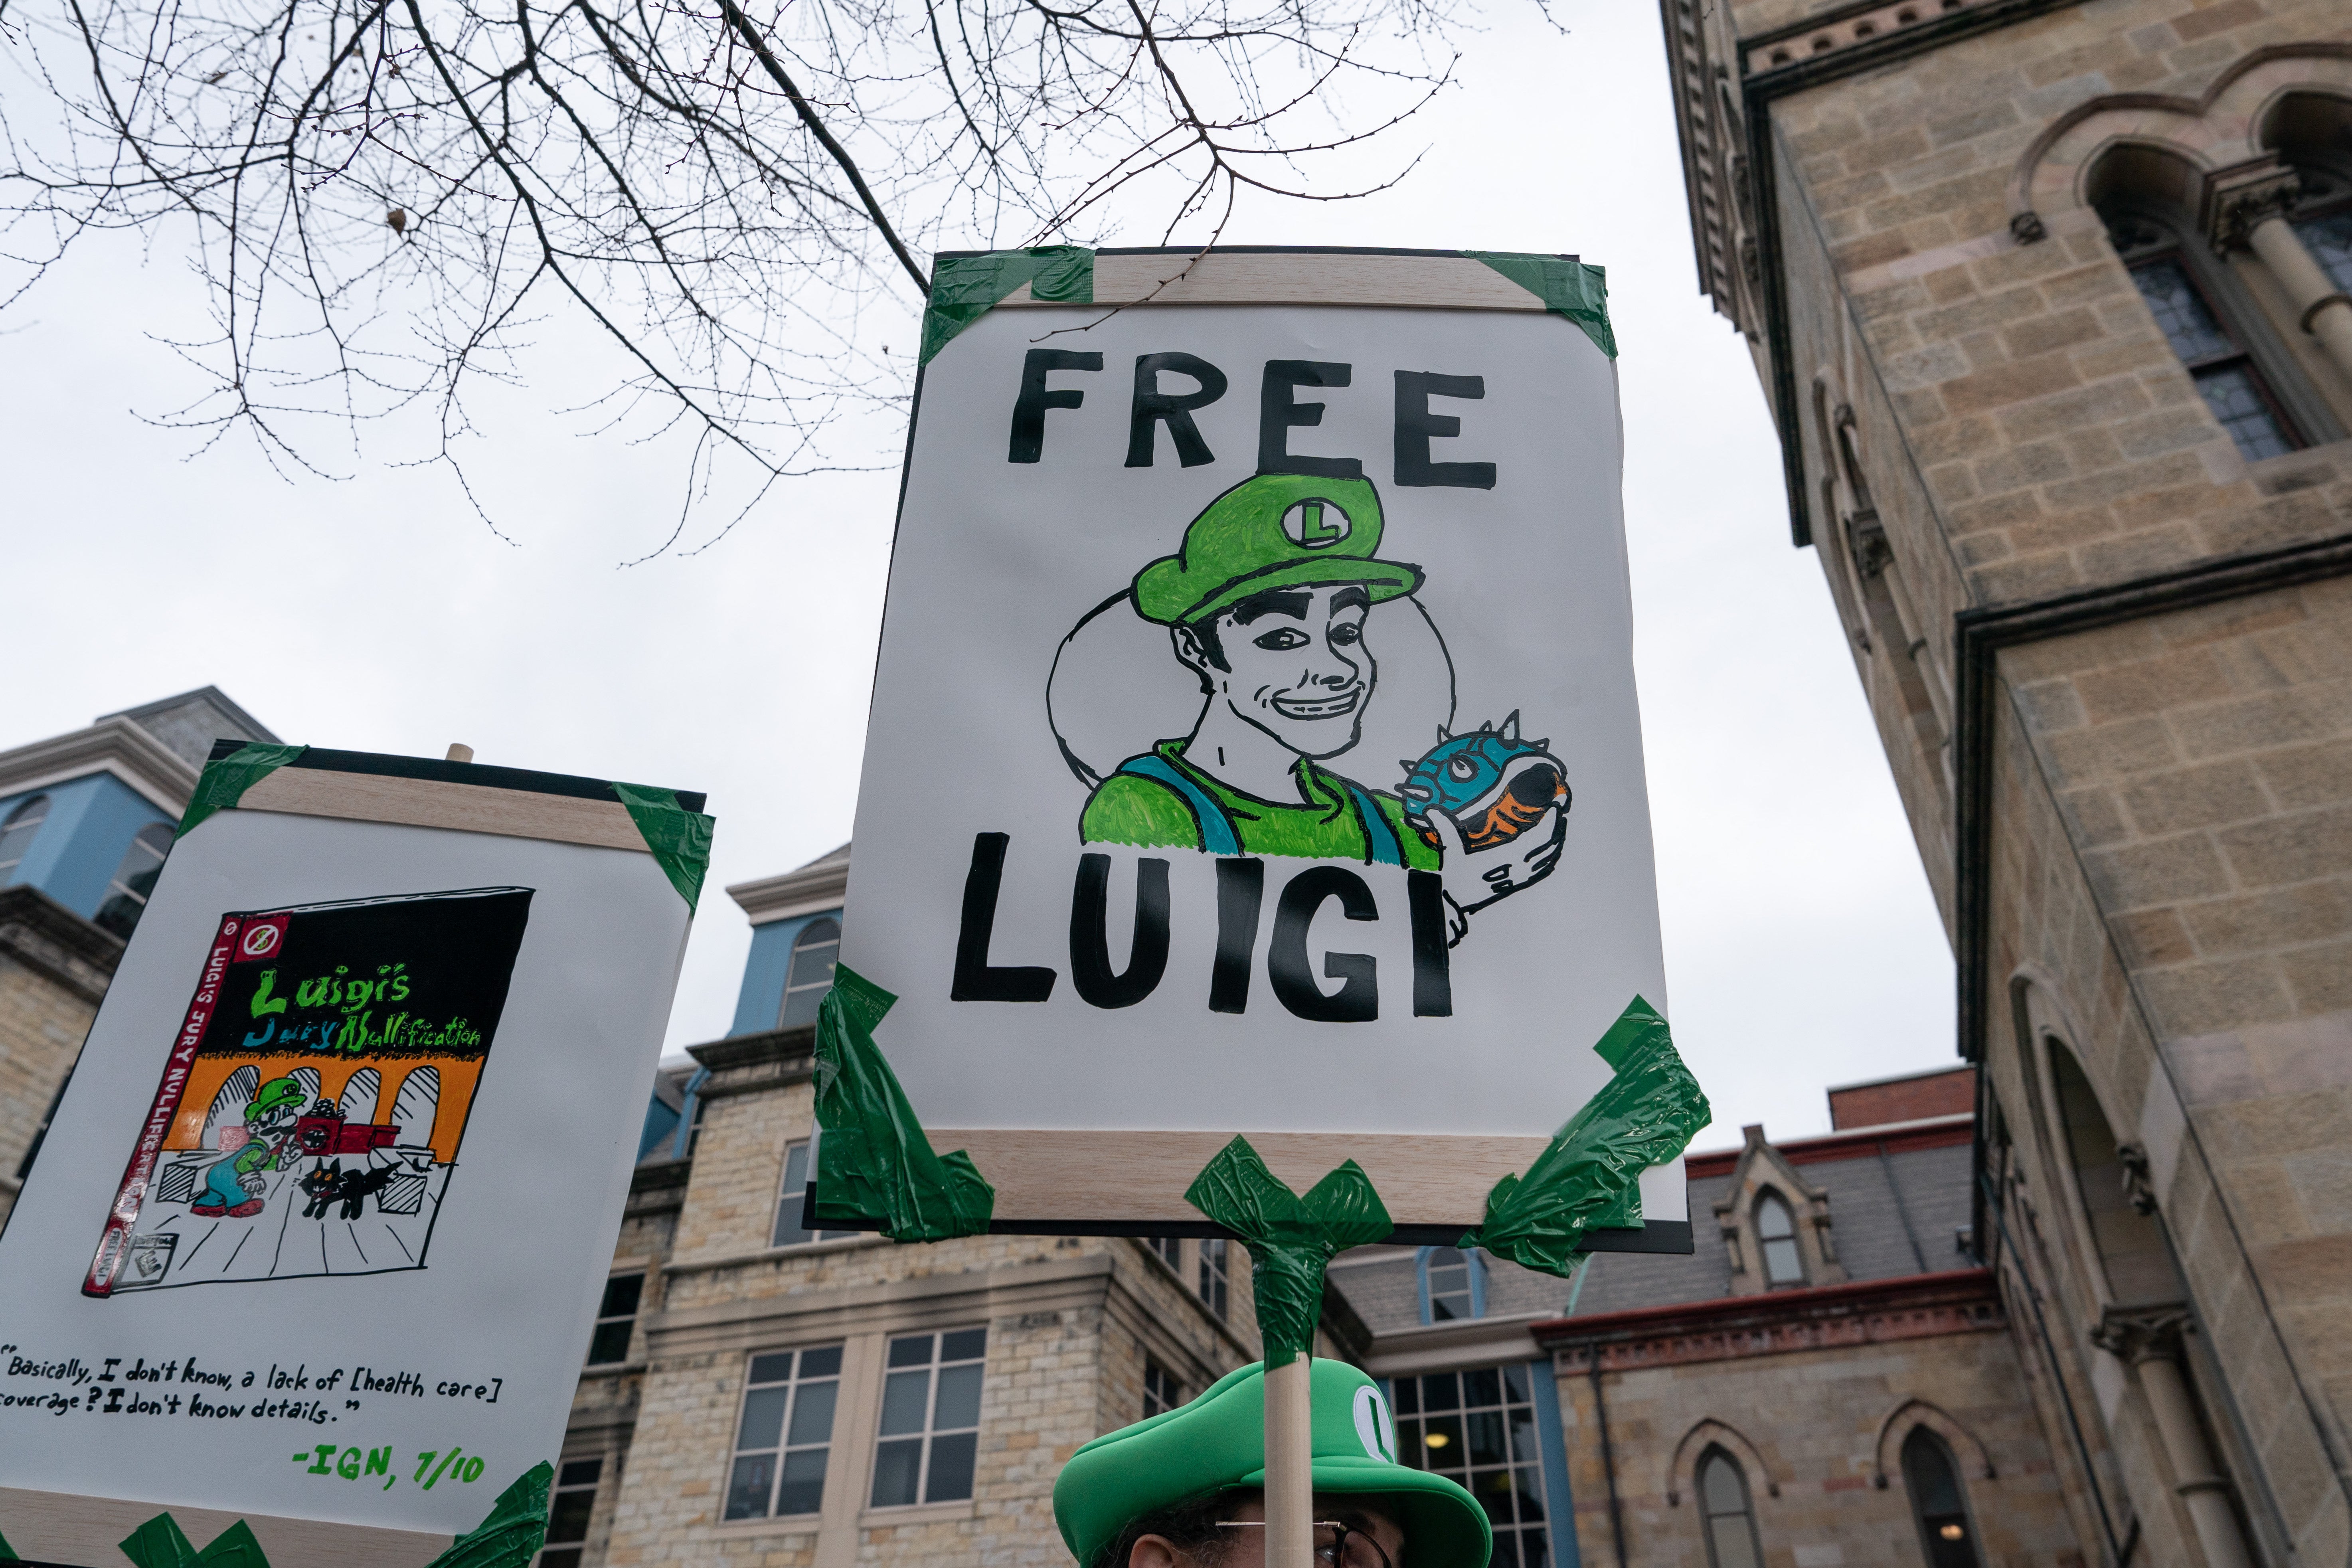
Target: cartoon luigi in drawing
x,y
1266,602
233,1185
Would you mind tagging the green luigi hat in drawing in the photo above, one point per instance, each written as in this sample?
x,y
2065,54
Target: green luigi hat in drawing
x,y
1217,1443
278,1092
1273,530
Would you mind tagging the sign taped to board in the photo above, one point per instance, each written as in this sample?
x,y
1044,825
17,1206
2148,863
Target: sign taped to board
x,y
319,1228
1254,747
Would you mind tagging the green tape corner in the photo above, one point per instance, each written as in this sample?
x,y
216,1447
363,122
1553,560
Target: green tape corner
x,y
515,1528
1291,1239
875,1161
679,838
1589,1175
966,288
1576,290
223,783
512,1533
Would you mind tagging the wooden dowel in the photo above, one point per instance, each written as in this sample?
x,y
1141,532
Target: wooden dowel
x,y
1290,1465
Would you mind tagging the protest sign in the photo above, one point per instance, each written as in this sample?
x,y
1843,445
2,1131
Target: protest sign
x,y
1254,748
318,1231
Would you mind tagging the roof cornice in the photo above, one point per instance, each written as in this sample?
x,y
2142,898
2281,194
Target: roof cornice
x,y
43,935
113,746
1854,1143
1725,1328
810,890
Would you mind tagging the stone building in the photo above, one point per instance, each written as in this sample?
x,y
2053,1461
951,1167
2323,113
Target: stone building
x,y
761,1391
2053,304
85,819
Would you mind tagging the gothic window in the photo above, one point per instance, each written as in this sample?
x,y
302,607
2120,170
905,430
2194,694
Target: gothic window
x,y
1937,1501
16,834
126,895
2211,328
1776,1237
1726,1513
811,974
2313,135
1452,1285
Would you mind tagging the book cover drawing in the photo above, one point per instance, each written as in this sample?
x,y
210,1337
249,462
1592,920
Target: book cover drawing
x,y
310,1113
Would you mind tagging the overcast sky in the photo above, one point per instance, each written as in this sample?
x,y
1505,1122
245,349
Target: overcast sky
x,y
377,612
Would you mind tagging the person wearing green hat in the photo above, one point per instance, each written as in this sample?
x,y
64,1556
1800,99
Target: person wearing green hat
x,y
1266,603
1183,1488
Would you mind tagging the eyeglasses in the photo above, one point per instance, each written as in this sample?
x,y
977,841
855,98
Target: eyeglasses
x,y
1336,1545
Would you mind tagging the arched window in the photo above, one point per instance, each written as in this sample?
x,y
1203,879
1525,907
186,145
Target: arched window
x,y
126,896
2244,375
1726,1513
811,974
1938,1502
1452,1285
2313,133
1776,1237
16,834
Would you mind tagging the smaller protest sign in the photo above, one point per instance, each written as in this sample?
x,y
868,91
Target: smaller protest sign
x,y
318,1230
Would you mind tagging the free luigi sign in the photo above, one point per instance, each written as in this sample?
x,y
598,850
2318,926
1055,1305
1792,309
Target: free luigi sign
x,y
1254,746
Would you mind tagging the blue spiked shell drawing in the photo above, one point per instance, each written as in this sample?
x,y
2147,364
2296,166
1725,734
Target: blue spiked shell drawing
x,y
1493,785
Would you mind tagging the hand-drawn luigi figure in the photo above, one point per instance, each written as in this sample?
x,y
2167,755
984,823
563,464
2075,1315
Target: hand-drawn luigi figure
x,y
1266,602
233,1185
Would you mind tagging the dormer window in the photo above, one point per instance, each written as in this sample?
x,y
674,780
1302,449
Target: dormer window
x,y
16,834
1776,1237
134,879
1453,1285
810,975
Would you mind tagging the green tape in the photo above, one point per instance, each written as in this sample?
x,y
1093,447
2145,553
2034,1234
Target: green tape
x,y
160,1544
679,838
223,783
1588,1175
510,1535
1290,1238
966,288
514,1529
1568,288
873,1161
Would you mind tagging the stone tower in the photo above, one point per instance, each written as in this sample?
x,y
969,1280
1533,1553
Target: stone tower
x,y
2049,299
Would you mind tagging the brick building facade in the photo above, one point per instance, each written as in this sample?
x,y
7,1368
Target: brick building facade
x,y
2052,303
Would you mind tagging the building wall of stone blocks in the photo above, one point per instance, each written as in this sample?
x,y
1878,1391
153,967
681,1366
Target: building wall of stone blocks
x,y
42,1024
1806,1428
1071,1322
2171,834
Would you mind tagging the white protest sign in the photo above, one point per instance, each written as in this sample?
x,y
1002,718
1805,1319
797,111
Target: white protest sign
x,y
319,1229
1254,744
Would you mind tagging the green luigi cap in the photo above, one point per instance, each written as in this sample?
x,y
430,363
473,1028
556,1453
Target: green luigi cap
x,y
277,1091
1273,530
1217,1443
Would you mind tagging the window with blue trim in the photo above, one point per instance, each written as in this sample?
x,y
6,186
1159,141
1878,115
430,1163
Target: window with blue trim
x,y
1452,1285
810,975
126,897
17,833
1479,1429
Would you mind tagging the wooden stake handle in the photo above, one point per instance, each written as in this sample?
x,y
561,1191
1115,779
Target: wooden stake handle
x,y
1290,1465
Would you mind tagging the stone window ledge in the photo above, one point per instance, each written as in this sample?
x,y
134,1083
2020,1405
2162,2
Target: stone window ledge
x,y
781,1524
776,1254
917,1513
613,1368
